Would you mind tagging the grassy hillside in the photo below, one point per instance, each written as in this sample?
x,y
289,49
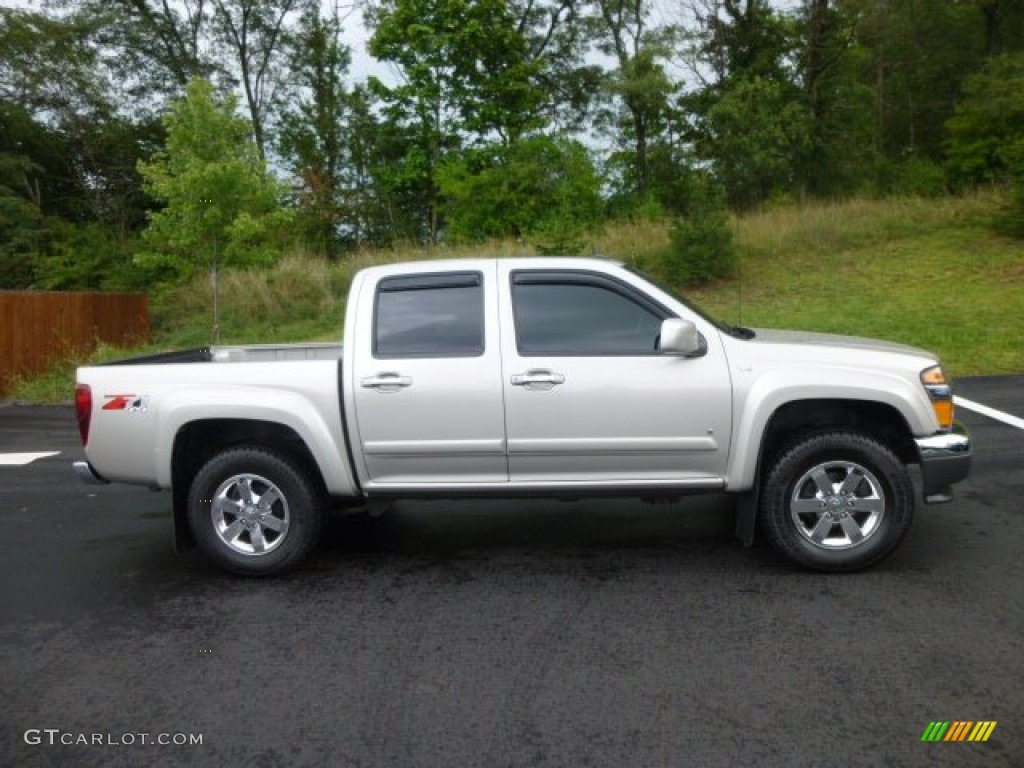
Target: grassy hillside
x,y
929,272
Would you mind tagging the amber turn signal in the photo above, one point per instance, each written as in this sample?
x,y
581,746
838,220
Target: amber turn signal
x,y
944,412
934,380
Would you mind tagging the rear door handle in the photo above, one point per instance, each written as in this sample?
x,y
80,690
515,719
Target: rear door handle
x,y
386,382
537,378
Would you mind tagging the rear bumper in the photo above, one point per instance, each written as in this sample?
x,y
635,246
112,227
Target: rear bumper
x,y
945,460
87,474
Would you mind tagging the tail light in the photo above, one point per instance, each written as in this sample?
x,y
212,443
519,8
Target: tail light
x,y
83,407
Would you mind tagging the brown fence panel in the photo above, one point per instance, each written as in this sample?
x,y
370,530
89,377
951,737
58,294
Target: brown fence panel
x,y
37,328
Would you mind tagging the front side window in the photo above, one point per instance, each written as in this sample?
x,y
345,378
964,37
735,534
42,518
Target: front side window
x,y
429,316
563,315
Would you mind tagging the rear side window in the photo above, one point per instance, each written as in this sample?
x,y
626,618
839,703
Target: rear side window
x,y
566,314
439,315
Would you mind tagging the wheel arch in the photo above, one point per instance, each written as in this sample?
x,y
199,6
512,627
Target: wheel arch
x,y
799,418
880,421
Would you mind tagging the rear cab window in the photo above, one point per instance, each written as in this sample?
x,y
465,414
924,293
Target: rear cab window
x,y
429,315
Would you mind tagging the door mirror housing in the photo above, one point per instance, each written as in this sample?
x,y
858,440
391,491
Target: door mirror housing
x,y
680,337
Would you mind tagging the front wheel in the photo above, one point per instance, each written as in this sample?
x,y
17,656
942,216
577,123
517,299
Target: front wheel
x,y
837,502
254,511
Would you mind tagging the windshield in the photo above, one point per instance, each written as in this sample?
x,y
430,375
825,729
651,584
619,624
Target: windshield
x,y
733,330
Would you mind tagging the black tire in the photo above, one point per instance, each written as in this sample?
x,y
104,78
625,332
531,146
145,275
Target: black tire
x,y
265,534
825,490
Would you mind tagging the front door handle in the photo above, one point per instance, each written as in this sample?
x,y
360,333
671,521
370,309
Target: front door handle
x,y
537,378
386,382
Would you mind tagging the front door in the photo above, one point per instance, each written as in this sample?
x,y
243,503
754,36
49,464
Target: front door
x,y
588,398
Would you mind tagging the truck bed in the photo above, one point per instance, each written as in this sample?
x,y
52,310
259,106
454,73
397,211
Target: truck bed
x,y
252,353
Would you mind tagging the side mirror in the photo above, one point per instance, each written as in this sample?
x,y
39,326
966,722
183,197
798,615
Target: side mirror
x,y
680,337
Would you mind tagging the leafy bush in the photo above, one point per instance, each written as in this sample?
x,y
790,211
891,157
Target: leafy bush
x,y
917,176
559,236
701,247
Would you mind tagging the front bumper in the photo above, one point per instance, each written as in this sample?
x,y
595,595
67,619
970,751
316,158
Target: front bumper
x,y
945,460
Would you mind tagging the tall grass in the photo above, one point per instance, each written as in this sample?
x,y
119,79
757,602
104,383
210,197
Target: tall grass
x,y
930,272
303,297
926,271
300,297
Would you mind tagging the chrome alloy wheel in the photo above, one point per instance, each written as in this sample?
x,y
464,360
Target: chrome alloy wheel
x,y
250,514
837,505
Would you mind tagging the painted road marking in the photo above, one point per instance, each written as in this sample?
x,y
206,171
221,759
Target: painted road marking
x,y
21,459
992,413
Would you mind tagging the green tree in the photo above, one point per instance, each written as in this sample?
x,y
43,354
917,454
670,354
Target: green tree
x,y
919,52
47,65
467,78
150,48
313,131
256,33
71,199
1003,25
751,122
557,42
534,186
831,69
24,229
757,134
221,208
638,84
987,132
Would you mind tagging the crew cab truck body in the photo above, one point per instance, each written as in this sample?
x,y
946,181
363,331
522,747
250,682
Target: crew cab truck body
x,y
533,377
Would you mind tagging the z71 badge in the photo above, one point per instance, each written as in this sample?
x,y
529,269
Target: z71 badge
x,y
138,403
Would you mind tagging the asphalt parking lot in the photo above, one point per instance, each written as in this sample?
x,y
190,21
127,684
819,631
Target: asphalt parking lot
x,y
515,634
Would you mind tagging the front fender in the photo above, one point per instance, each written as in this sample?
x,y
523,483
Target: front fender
x,y
761,398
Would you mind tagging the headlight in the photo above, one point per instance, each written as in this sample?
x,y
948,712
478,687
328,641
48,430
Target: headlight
x,y
941,394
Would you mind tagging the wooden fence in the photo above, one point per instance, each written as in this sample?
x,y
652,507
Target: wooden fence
x,y
38,328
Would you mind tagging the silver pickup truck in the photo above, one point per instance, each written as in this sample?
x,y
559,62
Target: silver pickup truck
x,y
529,377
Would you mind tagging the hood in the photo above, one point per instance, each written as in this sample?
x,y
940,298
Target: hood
x,y
807,338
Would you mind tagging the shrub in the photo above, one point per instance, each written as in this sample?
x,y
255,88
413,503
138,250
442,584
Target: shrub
x,y
701,247
558,236
920,177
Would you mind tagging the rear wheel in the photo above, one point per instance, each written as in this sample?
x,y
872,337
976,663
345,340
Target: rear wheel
x,y
254,511
837,502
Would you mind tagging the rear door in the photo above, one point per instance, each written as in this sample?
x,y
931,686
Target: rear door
x,y
427,384
589,399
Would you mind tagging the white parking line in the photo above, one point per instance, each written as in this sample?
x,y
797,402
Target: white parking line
x,y
992,413
21,459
